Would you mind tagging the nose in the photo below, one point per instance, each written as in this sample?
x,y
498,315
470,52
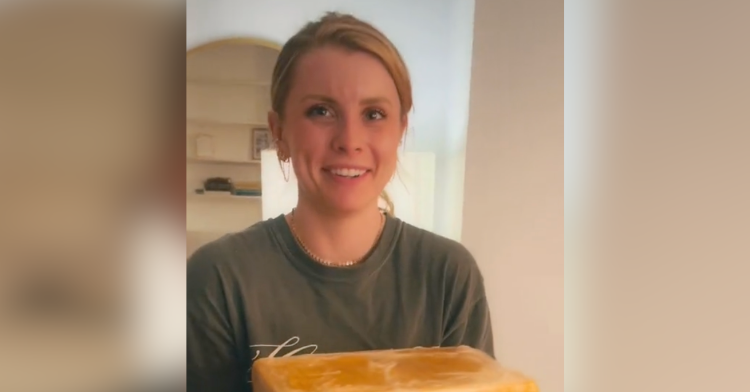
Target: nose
x,y
350,135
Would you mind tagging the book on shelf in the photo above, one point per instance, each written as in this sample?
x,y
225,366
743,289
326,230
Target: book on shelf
x,y
234,193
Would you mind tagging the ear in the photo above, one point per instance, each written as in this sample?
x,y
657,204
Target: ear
x,y
274,124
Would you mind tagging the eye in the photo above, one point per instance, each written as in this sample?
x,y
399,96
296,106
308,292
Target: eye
x,y
374,114
319,111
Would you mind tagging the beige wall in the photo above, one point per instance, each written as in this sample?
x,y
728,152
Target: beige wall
x,y
513,201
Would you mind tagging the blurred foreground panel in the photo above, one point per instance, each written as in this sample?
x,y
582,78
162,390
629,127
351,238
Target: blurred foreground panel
x,y
91,99
662,263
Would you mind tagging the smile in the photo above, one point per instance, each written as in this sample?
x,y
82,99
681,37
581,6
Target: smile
x,y
348,173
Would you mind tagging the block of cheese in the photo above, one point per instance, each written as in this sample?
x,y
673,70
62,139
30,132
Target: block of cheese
x,y
461,369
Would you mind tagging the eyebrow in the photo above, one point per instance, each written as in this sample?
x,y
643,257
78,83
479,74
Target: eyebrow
x,y
327,99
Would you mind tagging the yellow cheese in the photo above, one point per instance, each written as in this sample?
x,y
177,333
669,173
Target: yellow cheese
x,y
455,369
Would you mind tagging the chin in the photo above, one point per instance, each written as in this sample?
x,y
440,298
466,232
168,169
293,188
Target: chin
x,y
347,205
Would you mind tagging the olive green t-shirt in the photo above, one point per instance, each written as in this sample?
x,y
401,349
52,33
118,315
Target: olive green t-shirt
x,y
256,294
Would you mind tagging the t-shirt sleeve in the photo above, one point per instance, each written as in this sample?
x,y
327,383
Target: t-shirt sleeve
x,y
473,329
212,356
468,311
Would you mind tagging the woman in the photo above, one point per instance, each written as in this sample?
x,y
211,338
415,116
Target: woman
x,y
336,273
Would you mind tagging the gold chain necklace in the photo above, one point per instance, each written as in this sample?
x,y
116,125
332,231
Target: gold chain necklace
x,y
326,262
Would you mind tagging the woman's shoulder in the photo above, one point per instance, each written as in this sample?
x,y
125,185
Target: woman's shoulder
x,y
437,251
234,249
426,240
442,263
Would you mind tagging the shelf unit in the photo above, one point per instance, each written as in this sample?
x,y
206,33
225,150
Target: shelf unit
x,y
219,161
211,196
228,95
218,123
228,82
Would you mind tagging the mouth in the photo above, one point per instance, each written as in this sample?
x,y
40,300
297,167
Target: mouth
x,y
348,172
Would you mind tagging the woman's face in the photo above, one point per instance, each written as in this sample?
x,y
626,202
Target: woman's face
x,y
341,126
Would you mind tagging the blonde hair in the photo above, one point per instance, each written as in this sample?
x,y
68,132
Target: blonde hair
x,y
347,32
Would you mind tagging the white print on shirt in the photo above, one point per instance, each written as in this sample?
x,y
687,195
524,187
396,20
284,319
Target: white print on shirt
x,y
278,348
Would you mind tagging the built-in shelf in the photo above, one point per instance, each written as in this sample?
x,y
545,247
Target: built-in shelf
x,y
222,161
228,82
228,97
209,122
221,197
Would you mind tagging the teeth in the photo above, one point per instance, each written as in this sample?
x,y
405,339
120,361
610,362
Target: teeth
x,y
351,173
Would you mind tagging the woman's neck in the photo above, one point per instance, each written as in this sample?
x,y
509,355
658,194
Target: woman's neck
x,y
336,238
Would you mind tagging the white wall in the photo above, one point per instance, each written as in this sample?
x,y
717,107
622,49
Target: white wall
x,y
434,36
513,197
